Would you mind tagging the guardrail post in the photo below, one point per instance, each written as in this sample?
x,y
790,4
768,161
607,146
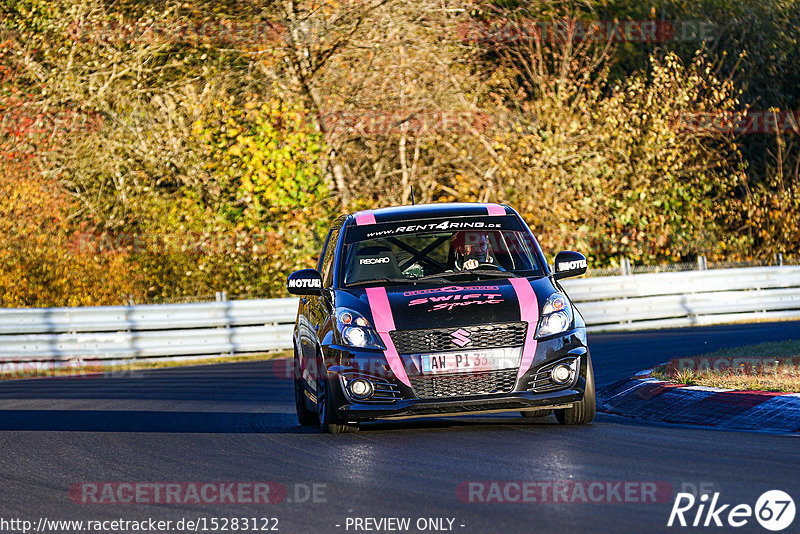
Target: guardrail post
x,y
701,263
625,267
779,259
222,296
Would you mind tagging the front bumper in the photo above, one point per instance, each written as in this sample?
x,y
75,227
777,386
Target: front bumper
x,y
504,402
347,362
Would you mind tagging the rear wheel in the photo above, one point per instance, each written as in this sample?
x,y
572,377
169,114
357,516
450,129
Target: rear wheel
x,y
581,413
304,415
329,420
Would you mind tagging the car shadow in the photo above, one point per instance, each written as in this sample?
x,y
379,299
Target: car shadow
x,y
150,421
257,381
39,404
465,422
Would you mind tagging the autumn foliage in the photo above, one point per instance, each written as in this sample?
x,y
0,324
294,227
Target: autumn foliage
x,y
156,151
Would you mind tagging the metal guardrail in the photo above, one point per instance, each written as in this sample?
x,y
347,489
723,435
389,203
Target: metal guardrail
x,y
640,301
689,298
147,317
146,331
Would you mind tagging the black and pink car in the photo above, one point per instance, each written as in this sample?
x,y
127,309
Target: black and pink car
x,y
438,309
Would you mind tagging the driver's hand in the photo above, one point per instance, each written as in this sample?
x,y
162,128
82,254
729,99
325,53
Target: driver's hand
x,y
471,264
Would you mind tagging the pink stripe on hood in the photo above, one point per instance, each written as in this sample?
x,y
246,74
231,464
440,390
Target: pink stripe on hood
x,y
384,323
529,312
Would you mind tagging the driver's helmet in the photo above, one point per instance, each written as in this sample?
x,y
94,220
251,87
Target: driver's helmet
x,y
468,245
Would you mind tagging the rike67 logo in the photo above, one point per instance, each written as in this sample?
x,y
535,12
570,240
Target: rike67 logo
x,y
774,510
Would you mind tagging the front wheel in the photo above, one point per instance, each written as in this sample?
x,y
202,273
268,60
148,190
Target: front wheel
x,y
581,413
329,420
304,415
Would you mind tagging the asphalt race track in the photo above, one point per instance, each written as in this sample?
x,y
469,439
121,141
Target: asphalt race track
x,y
236,423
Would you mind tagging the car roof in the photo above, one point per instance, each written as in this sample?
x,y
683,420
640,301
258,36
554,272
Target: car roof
x,y
429,211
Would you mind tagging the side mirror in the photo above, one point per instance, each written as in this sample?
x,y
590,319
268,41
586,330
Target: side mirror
x,y
568,264
305,282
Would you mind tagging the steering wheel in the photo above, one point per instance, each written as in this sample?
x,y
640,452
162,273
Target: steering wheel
x,y
492,266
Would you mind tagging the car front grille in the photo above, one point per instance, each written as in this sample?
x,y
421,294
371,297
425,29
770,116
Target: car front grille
x,y
464,384
442,339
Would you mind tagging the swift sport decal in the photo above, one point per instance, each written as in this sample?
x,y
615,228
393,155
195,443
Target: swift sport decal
x,y
384,323
447,298
529,312
449,289
448,302
451,305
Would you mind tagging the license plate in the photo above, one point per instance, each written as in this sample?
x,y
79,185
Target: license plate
x,y
469,361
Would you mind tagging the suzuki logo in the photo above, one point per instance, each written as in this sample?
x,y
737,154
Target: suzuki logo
x,y
460,337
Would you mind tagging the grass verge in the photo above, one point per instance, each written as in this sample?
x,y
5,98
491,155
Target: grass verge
x,y
761,367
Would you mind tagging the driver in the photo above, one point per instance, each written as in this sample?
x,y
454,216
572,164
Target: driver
x,y
470,249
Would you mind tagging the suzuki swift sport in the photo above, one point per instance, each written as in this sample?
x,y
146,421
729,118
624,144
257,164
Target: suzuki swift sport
x,y
437,309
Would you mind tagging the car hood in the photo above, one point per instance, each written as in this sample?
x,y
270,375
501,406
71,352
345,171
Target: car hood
x,y
420,306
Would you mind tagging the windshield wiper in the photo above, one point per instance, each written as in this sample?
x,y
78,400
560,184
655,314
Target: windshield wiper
x,y
457,275
435,277
374,281
489,273
493,272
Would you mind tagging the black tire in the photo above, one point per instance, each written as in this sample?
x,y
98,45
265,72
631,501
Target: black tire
x,y
329,420
304,415
535,413
581,413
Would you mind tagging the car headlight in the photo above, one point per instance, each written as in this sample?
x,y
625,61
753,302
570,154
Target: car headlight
x,y
556,316
357,331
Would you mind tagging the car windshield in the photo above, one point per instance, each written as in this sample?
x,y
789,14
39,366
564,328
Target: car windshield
x,y
443,256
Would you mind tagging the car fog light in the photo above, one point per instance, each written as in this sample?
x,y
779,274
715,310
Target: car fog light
x,y
561,373
361,388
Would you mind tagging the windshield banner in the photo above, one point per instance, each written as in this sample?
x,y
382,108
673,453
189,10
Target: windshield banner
x,y
451,224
